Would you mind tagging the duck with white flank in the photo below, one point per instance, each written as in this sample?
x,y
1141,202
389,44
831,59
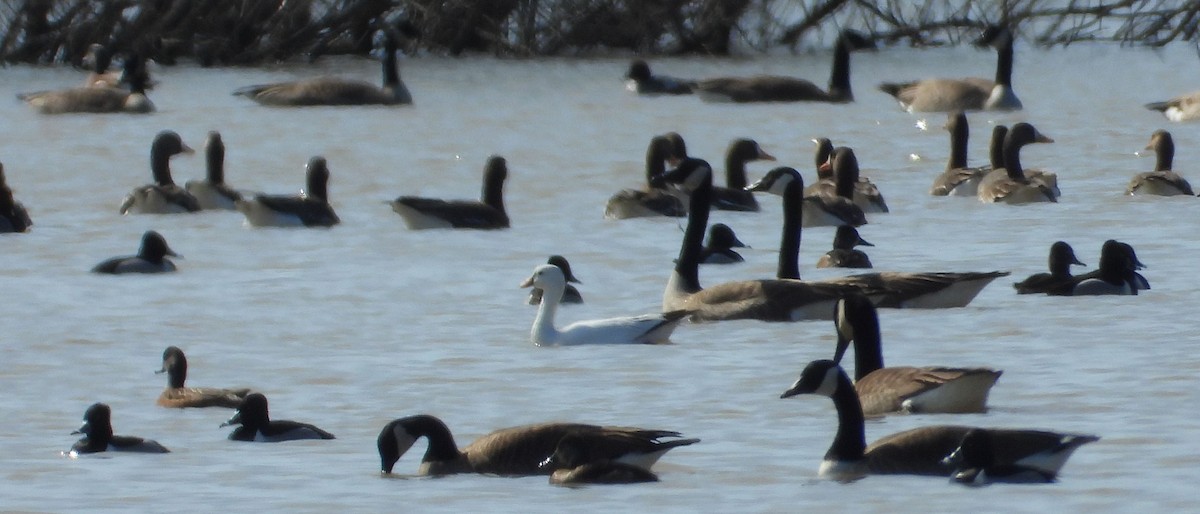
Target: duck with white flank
x,y
974,463
920,451
98,435
151,258
968,94
522,450
646,329
213,192
719,247
1162,181
488,213
1059,281
1116,275
770,88
311,208
639,80
257,426
163,196
573,465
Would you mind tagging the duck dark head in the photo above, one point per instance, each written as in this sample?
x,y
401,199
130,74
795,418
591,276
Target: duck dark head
x,y
561,262
154,247
638,70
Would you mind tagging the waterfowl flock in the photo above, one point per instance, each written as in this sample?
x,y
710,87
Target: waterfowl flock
x,y
681,187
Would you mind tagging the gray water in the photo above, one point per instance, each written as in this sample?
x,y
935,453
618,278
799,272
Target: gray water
x,y
351,327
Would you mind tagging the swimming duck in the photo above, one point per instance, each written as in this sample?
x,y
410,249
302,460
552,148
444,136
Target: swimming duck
x,y
652,201
920,451
311,208
968,94
883,390
974,463
765,88
336,90
1162,181
1116,273
176,395
639,80
719,247
734,196
570,293
257,426
573,465
646,329
488,213
519,451
13,216
151,258
97,100
959,179
865,194
843,254
213,192
1181,108
783,299
98,435
163,196
1011,184
1059,281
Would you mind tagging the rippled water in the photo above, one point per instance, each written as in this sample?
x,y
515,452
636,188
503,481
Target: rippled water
x,y
351,327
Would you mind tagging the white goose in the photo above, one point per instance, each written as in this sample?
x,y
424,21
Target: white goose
x,y
646,329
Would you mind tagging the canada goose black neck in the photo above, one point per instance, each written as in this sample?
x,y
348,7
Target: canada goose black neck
x,y
656,157
391,72
134,73
493,183
166,144
1062,256
441,442
214,153
996,146
1164,150
1020,135
856,319
789,248
687,266
1003,42
317,179
960,133
826,378
845,171
740,151
175,366
678,146
839,76
6,196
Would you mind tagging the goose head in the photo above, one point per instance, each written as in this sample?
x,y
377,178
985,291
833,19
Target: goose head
x,y
166,145
994,36
822,377
547,277
689,175
777,181
1164,149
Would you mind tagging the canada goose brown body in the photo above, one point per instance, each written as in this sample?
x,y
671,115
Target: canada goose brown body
x,y
519,451
832,210
960,179
334,91
487,213
164,196
920,451
213,192
769,88
1059,281
1011,184
864,193
651,201
884,390
310,209
96,100
177,395
1162,181
968,94
1181,108
13,216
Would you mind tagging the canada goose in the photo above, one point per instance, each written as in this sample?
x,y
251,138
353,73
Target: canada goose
x,y
98,435
257,426
573,465
734,196
174,364
309,209
97,100
1162,181
968,94
882,390
1181,108
652,201
719,247
974,463
919,451
570,293
151,258
1011,184
488,213
519,451
163,196
639,80
98,59
864,193
13,216
843,254
959,179
336,90
213,192
922,290
1116,273
783,299
830,210
765,88
646,329
1059,281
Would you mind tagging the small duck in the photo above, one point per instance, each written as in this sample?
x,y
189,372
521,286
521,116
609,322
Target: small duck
x,y
488,213
163,196
213,192
151,258
98,435
13,216
311,208
974,463
573,465
639,80
570,294
257,426
1181,108
98,100
734,196
718,249
843,254
646,329
176,395
1059,281
1162,181
1117,273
